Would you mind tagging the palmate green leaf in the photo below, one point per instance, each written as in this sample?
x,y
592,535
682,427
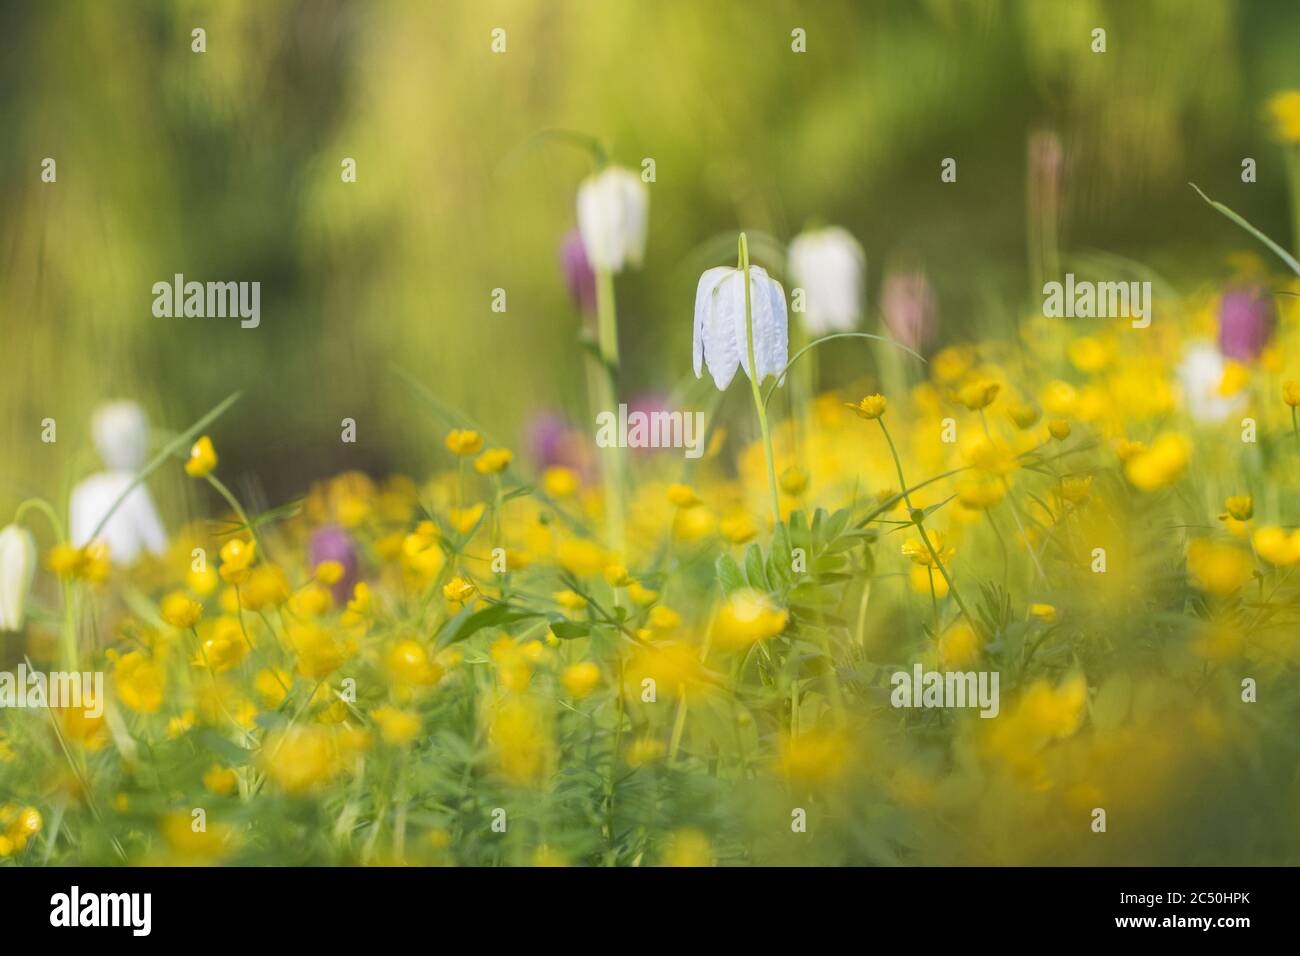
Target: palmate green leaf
x,y
729,574
756,568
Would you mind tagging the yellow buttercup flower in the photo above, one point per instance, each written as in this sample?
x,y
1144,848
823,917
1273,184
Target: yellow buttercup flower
x,y
179,611
1076,488
688,848
570,600
812,757
1023,415
220,780
329,572
1291,393
1219,569
582,557
458,590
977,395
738,527
617,576
1059,429
464,441
794,481
493,461
463,520
682,496
1284,108
745,618
1161,464
139,682
664,619
397,727
559,482
920,554
580,679
1238,507
870,407
408,663
1043,612
1276,546
237,556
203,458
641,595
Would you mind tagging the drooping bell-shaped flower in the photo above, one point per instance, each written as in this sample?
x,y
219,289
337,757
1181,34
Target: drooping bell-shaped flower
x,y
577,273
1246,322
909,308
828,264
17,567
613,214
721,341
121,434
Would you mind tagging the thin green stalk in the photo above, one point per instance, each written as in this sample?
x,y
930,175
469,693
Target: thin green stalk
x,y
614,465
753,383
920,524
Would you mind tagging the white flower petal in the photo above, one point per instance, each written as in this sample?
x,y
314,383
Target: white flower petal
x,y
703,304
720,352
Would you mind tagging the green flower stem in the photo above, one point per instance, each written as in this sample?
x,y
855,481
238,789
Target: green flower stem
x,y
920,524
45,508
614,466
235,506
753,383
68,634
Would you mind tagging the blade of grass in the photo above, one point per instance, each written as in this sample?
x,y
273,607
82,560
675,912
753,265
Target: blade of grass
x,y
1278,250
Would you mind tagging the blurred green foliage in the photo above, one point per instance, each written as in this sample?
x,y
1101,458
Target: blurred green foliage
x,y
225,165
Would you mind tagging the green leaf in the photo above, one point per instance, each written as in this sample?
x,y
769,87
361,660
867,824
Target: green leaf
x,y
568,630
468,622
754,568
1240,221
729,574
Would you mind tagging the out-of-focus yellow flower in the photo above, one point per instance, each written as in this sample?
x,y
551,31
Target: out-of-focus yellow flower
x,y
1059,429
688,848
979,492
304,757
179,611
266,586
1220,569
682,496
1089,354
237,556
1276,546
320,652
642,596
204,582
616,575
745,618
521,741
220,780
514,669
580,679
203,458
1043,612
951,363
695,523
139,682
1239,508
272,686
89,563
570,600
1126,450
581,556
924,580
329,572
222,645
977,395
408,663
1291,393
311,601
870,407
421,553
738,527
464,519
1076,488
664,619
811,757
1023,415
559,482
493,461
920,554
645,750
794,481
464,441
1284,108
397,727
1161,464
959,646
